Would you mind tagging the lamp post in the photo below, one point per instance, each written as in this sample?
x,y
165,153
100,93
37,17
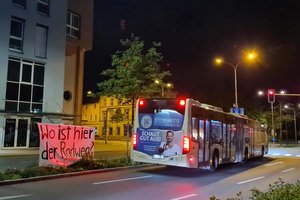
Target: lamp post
x,y
218,61
163,86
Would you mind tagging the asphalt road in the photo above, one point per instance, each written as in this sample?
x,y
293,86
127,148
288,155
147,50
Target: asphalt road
x,y
162,183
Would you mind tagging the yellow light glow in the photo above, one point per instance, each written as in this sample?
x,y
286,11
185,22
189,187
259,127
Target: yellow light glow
x,y
218,60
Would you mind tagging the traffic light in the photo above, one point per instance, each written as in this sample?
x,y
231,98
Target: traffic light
x,y
271,95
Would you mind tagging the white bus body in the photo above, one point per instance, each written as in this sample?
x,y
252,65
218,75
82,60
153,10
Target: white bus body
x,y
203,135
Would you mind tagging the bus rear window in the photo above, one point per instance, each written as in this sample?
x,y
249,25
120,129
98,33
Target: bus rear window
x,y
161,114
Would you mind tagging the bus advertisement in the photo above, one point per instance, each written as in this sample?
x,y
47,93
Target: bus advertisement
x,y
187,133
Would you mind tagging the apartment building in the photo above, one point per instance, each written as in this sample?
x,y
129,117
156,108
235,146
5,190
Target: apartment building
x,y
100,114
42,47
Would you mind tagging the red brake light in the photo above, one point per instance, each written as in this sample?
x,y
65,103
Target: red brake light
x,y
182,102
141,102
134,141
186,145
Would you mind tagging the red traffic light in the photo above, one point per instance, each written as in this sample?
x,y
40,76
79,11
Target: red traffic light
x,y
271,95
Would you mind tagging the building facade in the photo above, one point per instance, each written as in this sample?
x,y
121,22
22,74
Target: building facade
x,y
102,115
42,46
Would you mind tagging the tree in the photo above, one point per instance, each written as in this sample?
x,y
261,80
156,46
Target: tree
x,y
133,71
117,116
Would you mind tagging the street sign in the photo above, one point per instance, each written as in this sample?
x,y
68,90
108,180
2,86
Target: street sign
x,y
239,111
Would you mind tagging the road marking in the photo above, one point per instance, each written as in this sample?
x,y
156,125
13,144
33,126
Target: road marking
x,y
14,197
119,180
287,170
184,197
287,154
254,179
275,163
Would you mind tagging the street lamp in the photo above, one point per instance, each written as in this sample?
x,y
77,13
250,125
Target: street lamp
x,y
163,86
219,61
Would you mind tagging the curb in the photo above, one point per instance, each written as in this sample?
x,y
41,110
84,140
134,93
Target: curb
x,y
65,175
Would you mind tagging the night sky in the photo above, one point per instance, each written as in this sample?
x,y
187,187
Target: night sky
x,y
193,32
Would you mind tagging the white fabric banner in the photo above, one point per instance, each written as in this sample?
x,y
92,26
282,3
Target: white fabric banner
x,y
63,145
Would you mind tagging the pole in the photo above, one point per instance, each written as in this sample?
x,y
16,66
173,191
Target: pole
x,y
280,128
235,87
272,111
105,125
295,126
162,91
127,137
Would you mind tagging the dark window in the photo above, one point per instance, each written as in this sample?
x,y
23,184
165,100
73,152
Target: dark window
x,y
16,34
38,75
12,90
13,71
25,86
25,92
26,73
73,25
37,94
19,3
43,7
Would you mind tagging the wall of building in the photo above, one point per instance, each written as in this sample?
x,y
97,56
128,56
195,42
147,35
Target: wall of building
x,y
94,115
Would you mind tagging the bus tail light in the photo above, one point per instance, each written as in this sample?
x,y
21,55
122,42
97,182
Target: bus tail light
x,y
141,102
134,141
186,145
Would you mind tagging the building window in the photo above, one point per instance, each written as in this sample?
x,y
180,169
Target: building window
x,y
16,34
25,86
118,131
43,7
103,115
104,102
19,3
41,33
111,102
110,131
126,111
73,25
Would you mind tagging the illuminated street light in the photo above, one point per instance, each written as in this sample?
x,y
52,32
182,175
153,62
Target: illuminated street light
x,y
260,93
163,86
249,56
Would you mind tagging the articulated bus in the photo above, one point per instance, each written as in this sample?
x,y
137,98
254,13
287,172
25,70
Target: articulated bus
x,y
187,133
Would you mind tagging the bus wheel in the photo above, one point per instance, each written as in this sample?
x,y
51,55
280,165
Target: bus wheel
x,y
215,161
246,155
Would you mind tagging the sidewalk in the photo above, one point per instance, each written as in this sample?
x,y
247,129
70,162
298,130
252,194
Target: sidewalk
x,y
99,146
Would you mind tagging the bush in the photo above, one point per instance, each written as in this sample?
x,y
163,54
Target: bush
x,y
86,163
277,191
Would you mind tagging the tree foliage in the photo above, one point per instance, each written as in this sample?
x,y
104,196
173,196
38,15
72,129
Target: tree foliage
x,y
133,71
118,116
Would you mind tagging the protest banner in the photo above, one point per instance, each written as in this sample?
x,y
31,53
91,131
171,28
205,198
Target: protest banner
x,y
63,145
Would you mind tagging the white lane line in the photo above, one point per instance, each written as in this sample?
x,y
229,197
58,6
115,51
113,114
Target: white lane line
x,y
275,163
185,197
287,170
119,180
287,154
14,197
254,179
